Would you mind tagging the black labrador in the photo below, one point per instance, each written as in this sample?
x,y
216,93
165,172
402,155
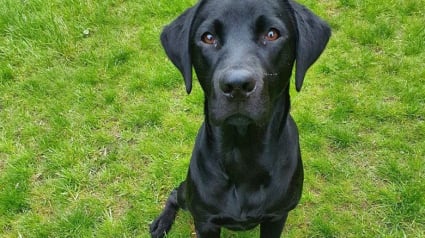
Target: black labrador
x,y
246,167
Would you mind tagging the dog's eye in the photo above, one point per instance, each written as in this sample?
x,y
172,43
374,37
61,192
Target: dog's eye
x,y
272,35
208,38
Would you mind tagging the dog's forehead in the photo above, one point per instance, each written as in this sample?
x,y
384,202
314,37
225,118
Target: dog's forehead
x,y
239,9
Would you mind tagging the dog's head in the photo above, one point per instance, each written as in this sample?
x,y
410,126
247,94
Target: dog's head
x,y
243,52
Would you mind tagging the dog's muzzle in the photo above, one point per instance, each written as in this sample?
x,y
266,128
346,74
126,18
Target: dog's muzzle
x,y
239,97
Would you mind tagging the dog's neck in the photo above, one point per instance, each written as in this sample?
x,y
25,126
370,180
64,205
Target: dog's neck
x,y
247,148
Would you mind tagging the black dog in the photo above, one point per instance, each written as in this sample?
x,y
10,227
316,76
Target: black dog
x,y
246,165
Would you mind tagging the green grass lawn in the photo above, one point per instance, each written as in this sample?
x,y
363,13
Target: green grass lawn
x,y
96,127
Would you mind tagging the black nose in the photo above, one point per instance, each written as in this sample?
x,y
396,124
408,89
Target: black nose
x,y
238,84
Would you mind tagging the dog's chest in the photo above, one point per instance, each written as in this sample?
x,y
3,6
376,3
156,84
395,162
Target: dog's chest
x,y
245,193
243,208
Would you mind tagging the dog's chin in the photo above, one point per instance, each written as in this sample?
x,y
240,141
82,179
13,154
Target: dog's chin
x,y
238,120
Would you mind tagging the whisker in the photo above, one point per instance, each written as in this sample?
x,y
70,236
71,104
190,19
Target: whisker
x,y
271,74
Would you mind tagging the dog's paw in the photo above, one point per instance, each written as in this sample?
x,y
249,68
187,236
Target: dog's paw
x,y
161,225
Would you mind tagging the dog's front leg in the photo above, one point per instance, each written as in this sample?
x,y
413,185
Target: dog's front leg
x,y
272,229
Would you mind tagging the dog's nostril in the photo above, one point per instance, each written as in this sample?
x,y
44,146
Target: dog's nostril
x,y
248,86
226,88
237,83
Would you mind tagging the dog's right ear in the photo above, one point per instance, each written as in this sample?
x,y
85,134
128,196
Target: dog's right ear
x,y
175,39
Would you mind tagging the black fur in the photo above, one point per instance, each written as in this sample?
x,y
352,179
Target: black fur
x,y
246,167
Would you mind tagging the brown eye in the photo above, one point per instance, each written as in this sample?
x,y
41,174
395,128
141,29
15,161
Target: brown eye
x,y
272,35
208,38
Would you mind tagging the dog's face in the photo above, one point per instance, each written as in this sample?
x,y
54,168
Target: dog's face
x,y
243,53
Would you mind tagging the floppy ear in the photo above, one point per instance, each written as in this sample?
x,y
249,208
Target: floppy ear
x,y
313,35
175,40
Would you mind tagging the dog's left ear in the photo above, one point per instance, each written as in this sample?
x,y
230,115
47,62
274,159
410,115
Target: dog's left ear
x,y
175,40
313,35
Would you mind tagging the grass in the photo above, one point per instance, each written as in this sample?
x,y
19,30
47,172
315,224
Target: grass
x,y
96,129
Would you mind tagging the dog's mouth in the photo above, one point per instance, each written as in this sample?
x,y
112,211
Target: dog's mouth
x,y
239,120
253,110
245,116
